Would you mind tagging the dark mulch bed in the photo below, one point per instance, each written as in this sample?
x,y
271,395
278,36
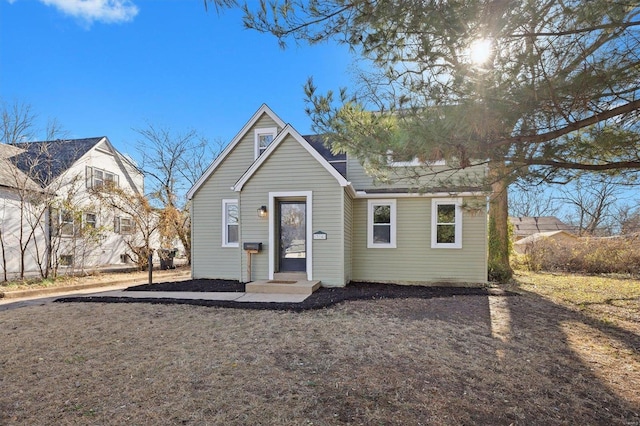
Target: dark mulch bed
x,y
321,298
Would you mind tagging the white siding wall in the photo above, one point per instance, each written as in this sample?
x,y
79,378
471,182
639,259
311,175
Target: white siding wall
x,y
11,210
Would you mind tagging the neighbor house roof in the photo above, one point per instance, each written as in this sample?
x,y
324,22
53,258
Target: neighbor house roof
x,y
10,175
529,225
541,235
44,161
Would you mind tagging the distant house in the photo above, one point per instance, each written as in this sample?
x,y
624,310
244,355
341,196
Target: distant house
x,y
62,223
562,238
525,226
321,217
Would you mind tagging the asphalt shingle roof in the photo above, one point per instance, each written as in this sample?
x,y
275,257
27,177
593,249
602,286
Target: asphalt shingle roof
x,y
44,161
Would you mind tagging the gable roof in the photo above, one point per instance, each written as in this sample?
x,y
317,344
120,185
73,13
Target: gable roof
x,y
529,225
290,131
338,161
44,161
264,109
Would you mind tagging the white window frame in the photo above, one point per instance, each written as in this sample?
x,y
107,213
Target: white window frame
x,y
118,227
371,204
89,224
415,162
93,182
273,131
457,202
63,223
225,229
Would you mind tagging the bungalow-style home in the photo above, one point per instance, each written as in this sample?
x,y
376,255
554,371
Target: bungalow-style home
x,y
277,204
46,186
524,226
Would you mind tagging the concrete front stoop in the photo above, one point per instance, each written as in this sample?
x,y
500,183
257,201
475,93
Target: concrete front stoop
x,y
283,286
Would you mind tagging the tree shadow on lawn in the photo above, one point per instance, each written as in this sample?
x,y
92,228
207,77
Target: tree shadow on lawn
x,y
515,357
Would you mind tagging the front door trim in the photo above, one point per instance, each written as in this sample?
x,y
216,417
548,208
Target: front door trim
x,y
274,197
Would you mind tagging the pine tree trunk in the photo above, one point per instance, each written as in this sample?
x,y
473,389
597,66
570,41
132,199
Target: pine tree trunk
x,y
499,266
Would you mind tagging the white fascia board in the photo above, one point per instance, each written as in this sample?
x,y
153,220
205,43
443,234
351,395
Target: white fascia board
x,y
364,194
289,130
264,109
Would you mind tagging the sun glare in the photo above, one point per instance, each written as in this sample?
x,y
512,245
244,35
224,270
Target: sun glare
x,y
480,51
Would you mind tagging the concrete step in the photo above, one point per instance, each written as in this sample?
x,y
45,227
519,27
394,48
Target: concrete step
x,y
282,286
290,276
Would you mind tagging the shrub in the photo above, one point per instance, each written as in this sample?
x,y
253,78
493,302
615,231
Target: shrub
x,y
586,255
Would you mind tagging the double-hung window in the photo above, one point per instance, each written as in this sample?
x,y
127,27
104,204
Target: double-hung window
x,y
230,223
67,223
381,224
446,223
96,178
123,225
90,220
263,138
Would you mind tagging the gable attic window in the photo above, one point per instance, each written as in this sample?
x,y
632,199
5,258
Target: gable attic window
x,y
263,138
446,223
381,224
96,178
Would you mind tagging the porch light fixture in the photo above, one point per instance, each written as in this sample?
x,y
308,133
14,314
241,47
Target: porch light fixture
x,y
262,211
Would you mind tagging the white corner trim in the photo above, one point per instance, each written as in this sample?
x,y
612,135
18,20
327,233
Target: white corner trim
x,y
273,252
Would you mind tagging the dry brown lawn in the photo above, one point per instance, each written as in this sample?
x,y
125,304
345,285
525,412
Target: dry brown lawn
x,y
533,358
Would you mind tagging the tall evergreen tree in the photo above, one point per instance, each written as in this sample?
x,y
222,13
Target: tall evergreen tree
x,y
536,88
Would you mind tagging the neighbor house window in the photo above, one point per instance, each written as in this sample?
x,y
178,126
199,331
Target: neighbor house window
x,y
123,225
90,220
95,177
446,223
67,225
381,224
65,260
263,138
230,223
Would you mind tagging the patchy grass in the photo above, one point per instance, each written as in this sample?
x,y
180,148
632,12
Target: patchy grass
x,y
63,281
528,359
611,299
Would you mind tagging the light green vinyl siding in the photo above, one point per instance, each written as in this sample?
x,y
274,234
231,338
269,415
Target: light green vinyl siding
x,y
415,177
414,260
290,168
209,258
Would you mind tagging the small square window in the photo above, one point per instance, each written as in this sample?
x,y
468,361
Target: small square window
x,y
65,260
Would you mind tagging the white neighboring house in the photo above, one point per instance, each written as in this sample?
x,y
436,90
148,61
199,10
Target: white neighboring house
x,y
19,241
76,231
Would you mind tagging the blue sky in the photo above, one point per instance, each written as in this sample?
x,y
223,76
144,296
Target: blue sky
x,y
105,67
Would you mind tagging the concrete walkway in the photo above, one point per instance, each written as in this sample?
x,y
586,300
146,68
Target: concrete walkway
x,y
38,297
194,295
